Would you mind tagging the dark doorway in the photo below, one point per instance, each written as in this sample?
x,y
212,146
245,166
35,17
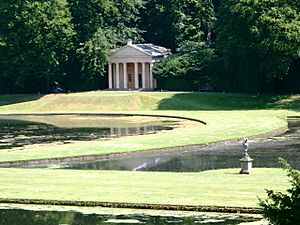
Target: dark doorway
x,y
140,80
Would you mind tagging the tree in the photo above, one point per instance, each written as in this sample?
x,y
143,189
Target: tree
x,y
284,209
258,41
170,22
36,38
101,25
194,67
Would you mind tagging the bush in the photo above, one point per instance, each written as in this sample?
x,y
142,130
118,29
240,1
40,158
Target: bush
x,y
284,209
193,68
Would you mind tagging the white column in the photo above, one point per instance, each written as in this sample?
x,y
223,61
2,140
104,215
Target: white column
x,y
110,84
125,75
117,76
151,75
144,74
136,76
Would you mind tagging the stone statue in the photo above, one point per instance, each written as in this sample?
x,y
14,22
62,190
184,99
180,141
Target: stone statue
x,y
246,161
245,145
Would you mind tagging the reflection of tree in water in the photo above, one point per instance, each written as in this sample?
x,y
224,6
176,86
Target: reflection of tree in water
x,y
25,217
264,151
16,133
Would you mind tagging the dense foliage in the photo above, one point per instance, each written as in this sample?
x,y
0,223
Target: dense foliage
x,y
259,40
194,67
100,25
284,209
234,45
171,22
36,39
43,42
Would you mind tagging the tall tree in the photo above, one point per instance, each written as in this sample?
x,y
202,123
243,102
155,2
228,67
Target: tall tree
x,y
258,39
170,22
101,25
36,37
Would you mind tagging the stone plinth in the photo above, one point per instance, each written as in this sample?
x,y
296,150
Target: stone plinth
x,y
246,165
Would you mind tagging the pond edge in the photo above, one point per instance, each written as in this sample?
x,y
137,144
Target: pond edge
x,y
195,147
195,208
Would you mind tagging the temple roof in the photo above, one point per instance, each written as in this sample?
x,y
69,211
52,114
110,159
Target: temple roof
x,y
153,50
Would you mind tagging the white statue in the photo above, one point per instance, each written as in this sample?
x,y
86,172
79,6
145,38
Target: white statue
x,y
245,145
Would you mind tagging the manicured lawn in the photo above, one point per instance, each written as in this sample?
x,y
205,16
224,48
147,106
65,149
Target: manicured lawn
x,y
212,188
228,116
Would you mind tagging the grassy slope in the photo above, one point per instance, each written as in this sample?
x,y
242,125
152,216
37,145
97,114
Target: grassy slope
x,y
228,116
215,188
142,101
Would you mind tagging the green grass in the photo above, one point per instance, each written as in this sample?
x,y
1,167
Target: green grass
x,y
214,188
143,101
228,116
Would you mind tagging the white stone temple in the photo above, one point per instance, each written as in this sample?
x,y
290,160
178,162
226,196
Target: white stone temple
x,y
130,67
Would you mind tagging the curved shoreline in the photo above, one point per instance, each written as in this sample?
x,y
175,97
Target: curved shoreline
x,y
195,147
103,114
195,208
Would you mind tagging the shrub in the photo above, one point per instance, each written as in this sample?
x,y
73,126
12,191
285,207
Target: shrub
x,y
280,208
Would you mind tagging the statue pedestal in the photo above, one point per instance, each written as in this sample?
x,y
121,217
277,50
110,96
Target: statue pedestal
x,y
246,165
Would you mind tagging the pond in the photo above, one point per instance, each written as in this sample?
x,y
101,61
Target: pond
x,y
27,130
19,131
13,216
264,151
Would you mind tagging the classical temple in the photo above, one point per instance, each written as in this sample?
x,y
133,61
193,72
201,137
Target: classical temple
x,y
130,67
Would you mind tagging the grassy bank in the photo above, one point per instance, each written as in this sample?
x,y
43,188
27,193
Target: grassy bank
x,y
143,101
228,116
212,188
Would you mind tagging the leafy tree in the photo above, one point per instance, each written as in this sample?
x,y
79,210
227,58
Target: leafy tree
x,y
119,16
101,25
36,37
170,22
284,209
258,39
193,68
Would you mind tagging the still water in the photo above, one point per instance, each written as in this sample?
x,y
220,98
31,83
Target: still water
x,y
264,151
19,131
17,216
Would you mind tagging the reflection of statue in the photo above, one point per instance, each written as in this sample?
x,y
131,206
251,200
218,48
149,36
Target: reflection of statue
x,y
245,145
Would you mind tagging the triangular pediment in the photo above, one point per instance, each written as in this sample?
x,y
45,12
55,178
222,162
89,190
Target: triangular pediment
x,y
128,51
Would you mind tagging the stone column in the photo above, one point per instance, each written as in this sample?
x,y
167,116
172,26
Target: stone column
x,y
110,84
125,75
136,75
151,75
144,74
117,76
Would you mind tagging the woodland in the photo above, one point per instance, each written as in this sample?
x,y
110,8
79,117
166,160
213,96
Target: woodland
x,y
250,46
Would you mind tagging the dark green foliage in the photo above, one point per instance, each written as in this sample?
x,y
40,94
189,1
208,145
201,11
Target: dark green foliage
x,y
36,38
64,41
170,22
193,68
253,47
101,26
284,209
258,41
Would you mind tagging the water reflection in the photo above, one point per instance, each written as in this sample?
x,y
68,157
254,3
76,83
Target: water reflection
x,y
265,153
10,216
19,133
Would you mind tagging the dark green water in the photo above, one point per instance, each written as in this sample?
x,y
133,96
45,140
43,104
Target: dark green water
x,y
28,217
19,133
